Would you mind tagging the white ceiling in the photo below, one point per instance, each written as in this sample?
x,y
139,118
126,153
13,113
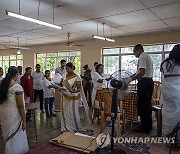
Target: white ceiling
x,y
80,17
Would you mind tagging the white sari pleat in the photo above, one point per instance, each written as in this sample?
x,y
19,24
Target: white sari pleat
x,y
170,98
70,118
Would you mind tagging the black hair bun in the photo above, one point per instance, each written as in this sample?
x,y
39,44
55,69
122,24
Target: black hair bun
x,y
70,65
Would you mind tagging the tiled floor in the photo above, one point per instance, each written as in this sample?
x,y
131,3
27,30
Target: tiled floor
x,y
48,128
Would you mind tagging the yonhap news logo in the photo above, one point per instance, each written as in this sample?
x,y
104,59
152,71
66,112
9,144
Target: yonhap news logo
x,y
103,140
155,140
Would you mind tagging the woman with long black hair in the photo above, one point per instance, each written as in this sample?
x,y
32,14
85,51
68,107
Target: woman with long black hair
x,y
12,114
170,99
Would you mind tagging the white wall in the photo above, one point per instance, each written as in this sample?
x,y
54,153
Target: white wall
x,y
91,51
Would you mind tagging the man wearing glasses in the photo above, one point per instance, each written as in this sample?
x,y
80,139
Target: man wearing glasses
x,y
145,87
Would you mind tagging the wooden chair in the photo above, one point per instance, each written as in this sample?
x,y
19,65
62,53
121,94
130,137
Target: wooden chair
x,y
98,107
106,110
156,107
129,108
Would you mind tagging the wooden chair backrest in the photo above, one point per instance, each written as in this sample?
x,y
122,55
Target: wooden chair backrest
x,y
107,96
156,93
99,96
129,106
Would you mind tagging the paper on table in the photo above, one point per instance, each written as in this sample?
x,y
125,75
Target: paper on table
x,y
80,134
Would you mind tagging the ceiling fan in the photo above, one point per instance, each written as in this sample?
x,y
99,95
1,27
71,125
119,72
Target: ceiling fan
x,y
70,44
7,45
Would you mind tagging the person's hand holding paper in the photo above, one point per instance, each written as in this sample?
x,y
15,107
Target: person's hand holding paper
x,y
67,85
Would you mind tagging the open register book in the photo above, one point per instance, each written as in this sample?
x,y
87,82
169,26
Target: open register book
x,y
76,141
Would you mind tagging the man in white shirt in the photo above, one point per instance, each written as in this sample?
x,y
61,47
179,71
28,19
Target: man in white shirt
x,y
1,73
19,74
38,77
61,70
57,99
94,71
145,87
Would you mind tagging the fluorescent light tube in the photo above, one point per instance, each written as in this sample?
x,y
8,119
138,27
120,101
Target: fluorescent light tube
x,y
103,38
32,20
98,37
111,40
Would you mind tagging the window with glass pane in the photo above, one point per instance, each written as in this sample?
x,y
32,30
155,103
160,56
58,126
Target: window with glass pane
x,y
77,63
127,50
5,57
153,48
10,60
111,51
63,54
129,63
75,53
166,55
13,63
51,63
20,63
111,64
52,54
52,60
19,56
157,59
12,57
168,47
42,63
41,55
5,66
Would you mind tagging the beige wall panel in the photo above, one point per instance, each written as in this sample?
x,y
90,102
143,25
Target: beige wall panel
x,y
91,51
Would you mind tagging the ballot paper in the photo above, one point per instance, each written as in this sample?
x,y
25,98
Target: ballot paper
x,y
59,87
80,134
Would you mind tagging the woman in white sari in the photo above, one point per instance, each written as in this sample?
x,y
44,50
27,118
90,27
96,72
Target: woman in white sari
x,y
70,119
170,88
12,114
